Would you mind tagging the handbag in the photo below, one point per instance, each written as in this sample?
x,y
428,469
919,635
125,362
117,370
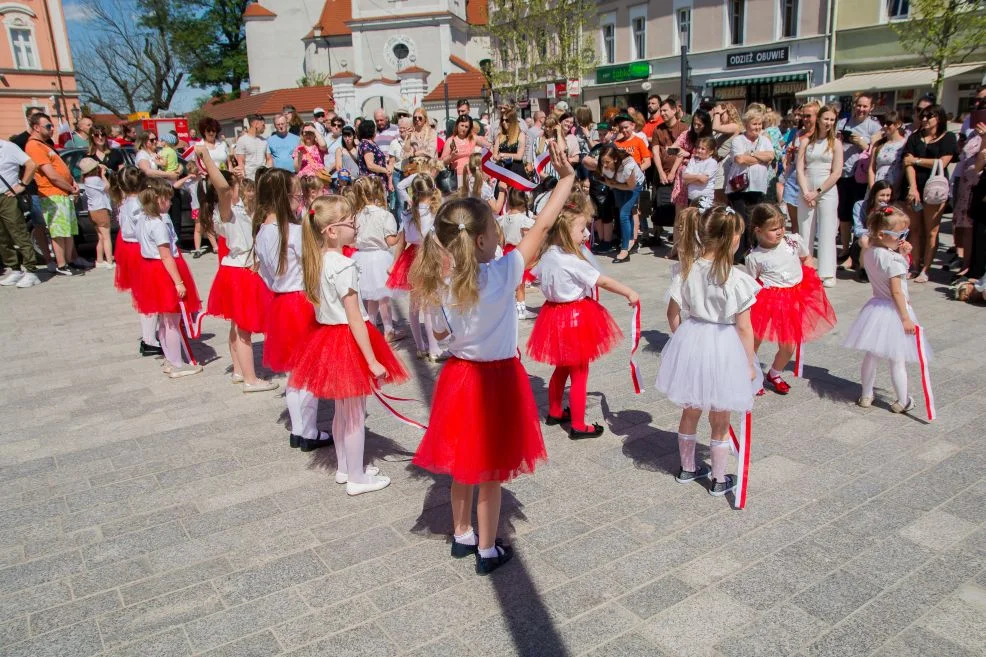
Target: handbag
x,y
740,182
936,189
23,200
861,170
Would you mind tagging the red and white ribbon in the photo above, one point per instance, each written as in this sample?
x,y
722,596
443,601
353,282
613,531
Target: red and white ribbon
x,y
635,375
508,177
191,328
382,398
799,360
929,397
741,445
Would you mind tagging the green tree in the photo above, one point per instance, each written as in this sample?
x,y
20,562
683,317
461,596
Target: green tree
x,y
210,39
539,41
943,32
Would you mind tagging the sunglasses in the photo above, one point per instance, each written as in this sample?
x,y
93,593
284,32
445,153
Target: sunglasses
x,y
47,126
151,139
338,125
418,118
898,235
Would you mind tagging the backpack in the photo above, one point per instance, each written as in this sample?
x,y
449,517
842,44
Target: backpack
x,y
936,189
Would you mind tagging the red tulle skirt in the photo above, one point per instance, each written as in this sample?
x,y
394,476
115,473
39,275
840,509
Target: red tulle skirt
x,y
402,267
221,249
241,296
529,277
154,292
791,315
484,423
290,323
330,364
128,260
572,333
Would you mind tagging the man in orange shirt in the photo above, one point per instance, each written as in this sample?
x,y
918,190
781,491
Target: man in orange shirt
x,y
55,187
654,118
630,143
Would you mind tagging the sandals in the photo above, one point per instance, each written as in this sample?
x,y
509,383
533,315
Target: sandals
x,y
921,278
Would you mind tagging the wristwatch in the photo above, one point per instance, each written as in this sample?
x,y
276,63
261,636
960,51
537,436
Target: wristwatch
x,y
818,191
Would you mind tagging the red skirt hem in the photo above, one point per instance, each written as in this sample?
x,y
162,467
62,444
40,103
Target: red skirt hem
x,y
290,323
127,257
241,296
793,315
330,364
484,424
572,333
154,292
398,279
529,276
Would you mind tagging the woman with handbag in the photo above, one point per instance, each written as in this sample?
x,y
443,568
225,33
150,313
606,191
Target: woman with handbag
x,y
819,167
927,154
748,175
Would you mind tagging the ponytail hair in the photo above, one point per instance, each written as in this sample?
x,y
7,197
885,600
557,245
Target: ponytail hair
x,y
423,190
209,201
475,176
324,211
712,230
154,189
368,190
447,264
128,181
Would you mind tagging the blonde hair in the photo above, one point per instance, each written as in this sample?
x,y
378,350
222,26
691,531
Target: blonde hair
x,y
712,230
771,119
311,187
765,215
324,211
154,189
881,219
512,132
819,134
447,264
752,114
423,190
474,176
247,185
367,190
578,206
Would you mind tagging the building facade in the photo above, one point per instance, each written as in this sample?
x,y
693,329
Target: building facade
x,y
35,63
375,54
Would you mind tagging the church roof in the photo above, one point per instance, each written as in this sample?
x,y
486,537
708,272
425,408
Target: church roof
x,y
256,10
335,15
477,12
304,99
467,84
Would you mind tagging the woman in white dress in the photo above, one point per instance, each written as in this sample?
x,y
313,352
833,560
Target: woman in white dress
x,y
819,168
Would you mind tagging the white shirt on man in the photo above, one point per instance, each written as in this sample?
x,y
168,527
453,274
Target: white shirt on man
x,y
254,151
12,158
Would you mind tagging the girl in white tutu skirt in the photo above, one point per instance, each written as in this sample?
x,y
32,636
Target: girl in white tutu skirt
x,y
376,234
884,328
709,364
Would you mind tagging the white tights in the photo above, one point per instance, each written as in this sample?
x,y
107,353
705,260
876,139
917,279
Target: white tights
x,y
426,342
148,330
349,434
303,410
169,332
898,376
383,307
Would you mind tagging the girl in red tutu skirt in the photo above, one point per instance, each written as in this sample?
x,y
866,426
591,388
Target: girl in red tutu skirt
x,y
291,320
792,308
514,225
345,355
425,199
164,278
572,329
484,426
238,293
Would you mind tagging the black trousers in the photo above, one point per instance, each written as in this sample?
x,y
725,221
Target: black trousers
x,y
743,203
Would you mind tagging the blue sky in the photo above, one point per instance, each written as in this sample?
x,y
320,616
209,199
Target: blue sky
x,y
78,21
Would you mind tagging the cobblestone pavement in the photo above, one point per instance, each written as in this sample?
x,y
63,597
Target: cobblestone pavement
x,y
146,516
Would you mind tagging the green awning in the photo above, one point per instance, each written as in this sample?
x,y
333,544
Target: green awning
x,y
760,79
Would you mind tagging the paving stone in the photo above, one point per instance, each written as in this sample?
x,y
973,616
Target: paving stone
x,y
231,624
152,616
231,516
127,546
362,641
269,577
31,600
174,580
258,645
685,628
961,618
79,640
889,561
305,629
919,642
628,645
32,573
14,631
170,643
657,596
351,550
188,474
778,633
144,520
938,530
73,612
111,576
836,596
448,646
422,584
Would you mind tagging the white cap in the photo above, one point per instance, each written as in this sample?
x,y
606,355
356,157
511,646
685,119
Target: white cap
x,y
561,105
318,110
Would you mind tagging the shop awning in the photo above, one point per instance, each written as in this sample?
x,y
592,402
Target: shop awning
x,y
759,79
901,78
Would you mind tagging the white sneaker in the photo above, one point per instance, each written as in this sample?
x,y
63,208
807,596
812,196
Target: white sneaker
x,y
375,483
342,477
184,370
29,279
259,386
524,313
12,277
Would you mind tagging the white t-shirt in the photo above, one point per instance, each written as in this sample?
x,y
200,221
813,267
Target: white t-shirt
x,y
239,237
702,298
254,150
411,233
513,225
129,218
396,151
96,196
373,226
779,266
881,265
488,331
12,158
340,277
630,171
758,173
565,276
707,167
143,155
154,233
191,186
267,249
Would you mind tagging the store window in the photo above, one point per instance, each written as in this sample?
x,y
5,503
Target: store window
x,y
25,50
898,8
685,28
789,18
609,42
737,18
623,101
638,26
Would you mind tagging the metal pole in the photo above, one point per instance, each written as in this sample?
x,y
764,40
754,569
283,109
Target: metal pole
x,y
445,85
684,74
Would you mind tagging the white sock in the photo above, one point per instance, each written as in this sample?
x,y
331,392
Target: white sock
x,y
469,538
773,372
148,330
489,553
351,432
720,458
303,409
898,376
868,374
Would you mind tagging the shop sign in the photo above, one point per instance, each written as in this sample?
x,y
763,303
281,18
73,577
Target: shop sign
x,y
549,91
764,57
560,89
574,87
622,73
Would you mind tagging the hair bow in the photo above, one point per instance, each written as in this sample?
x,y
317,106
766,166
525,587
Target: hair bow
x,y
704,203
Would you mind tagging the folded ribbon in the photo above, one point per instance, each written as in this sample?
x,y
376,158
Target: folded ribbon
x,y
507,176
929,397
741,445
635,375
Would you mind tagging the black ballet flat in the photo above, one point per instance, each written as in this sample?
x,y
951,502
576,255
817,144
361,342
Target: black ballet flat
x,y
620,261
309,444
486,566
150,350
295,441
566,417
593,431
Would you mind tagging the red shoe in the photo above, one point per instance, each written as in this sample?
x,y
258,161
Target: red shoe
x,y
780,385
761,392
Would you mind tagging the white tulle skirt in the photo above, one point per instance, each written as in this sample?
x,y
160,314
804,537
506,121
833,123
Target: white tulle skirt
x,y
373,266
705,366
878,330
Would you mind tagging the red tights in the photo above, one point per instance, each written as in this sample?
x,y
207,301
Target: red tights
x,y
576,393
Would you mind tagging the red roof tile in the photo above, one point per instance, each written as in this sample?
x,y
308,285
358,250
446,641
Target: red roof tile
x,y
344,75
463,64
255,10
412,69
477,12
304,99
460,85
332,22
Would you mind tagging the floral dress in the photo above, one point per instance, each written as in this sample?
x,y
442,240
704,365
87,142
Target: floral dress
x,y
312,159
367,146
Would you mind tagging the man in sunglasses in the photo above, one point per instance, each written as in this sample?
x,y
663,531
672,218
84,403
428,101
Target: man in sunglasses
x,y
333,139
